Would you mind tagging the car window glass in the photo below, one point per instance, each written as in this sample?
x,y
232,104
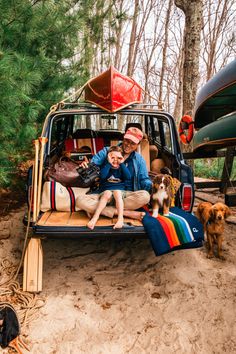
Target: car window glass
x,y
106,121
137,119
156,130
167,136
58,132
82,122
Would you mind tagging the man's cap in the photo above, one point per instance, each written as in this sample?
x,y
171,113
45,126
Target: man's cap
x,y
134,134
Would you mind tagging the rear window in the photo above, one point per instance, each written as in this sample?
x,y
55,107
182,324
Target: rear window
x,y
107,122
156,127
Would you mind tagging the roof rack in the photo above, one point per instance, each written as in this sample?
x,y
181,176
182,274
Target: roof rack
x,y
140,105
144,104
68,105
64,105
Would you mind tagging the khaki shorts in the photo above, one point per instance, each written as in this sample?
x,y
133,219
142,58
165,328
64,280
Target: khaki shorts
x,y
112,201
132,201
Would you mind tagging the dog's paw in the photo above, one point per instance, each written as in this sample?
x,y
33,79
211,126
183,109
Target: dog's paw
x,y
210,255
155,213
222,258
167,214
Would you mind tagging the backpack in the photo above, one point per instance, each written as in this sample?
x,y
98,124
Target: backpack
x,y
9,324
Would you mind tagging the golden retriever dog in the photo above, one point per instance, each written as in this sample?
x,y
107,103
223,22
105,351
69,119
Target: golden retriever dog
x,y
213,219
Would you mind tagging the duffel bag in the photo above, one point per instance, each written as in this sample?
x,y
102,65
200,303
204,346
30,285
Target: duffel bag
x,y
65,171
57,197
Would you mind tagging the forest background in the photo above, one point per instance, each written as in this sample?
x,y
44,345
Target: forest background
x,y
48,48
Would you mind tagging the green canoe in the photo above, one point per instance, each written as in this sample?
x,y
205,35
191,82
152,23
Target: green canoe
x,y
217,97
216,135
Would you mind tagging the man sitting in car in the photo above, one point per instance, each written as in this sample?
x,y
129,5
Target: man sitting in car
x,y
139,193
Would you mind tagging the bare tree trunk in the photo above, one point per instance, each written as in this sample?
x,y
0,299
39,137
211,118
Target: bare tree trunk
x,y
179,96
137,34
217,22
193,24
118,34
163,68
149,48
133,36
214,36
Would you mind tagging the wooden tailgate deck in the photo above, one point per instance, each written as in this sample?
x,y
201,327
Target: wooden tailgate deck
x,y
78,218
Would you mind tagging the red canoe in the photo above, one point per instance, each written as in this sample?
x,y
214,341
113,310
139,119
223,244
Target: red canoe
x,y
113,91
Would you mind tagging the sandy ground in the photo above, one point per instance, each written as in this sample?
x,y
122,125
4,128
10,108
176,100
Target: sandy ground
x,y
117,297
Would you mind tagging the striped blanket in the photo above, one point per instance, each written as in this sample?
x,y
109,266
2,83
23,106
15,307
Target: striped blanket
x,y
177,231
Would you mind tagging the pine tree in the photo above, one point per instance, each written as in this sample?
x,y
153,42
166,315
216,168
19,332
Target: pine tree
x,y
37,41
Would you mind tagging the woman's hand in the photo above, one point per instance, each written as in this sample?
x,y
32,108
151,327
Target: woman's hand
x,y
125,157
121,159
84,164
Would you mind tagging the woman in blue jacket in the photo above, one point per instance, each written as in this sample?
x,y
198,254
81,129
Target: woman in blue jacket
x,y
138,191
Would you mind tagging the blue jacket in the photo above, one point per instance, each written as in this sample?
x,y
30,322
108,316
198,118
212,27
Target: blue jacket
x,y
141,178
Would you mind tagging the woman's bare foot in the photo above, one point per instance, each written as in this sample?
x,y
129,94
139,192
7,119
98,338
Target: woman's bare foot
x,y
132,214
119,224
91,224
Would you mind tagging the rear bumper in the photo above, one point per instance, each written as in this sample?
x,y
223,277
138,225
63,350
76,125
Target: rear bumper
x,y
83,232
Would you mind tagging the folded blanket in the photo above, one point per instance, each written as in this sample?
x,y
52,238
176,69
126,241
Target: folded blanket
x,y
177,231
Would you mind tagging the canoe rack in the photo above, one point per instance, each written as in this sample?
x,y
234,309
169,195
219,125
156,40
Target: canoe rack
x,y
225,182
75,105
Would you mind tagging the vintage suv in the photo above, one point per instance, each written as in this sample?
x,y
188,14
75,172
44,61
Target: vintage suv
x,y
80,130
72,127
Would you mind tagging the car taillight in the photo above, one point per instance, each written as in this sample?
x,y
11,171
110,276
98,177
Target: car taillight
x,y
187,197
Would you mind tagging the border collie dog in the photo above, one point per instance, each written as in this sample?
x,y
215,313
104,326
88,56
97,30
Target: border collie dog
x,y
161,194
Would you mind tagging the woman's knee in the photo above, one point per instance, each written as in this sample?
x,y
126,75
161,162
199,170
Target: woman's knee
x,y
87,202
107,195
137,199
144,196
